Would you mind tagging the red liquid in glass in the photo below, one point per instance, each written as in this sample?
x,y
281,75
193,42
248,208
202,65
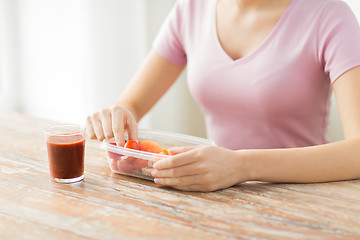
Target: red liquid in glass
x,y
66,156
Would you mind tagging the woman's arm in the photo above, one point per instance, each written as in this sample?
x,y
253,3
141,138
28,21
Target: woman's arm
x,y
152,80
328,162
212,168
150,83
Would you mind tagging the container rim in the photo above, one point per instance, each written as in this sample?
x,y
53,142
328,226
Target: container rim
x,y
51,129
105,144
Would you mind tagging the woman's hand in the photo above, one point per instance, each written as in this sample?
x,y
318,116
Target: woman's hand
x,y
112,122
206,168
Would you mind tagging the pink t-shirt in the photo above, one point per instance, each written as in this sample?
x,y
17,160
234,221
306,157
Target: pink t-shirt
x,y
279,95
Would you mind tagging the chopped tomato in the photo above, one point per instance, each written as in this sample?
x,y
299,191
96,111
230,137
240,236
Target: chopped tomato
x,y
132,144
125,167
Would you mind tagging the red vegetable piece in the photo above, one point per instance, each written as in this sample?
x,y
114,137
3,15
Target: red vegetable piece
x,y
125,167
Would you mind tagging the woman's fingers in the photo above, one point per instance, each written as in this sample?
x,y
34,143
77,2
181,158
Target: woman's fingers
x,y
132,127
198,169
177,150
187,183
118,127
123,120
97,126
112,122
89,128
105,118
188,169
176,161
173,161
180,181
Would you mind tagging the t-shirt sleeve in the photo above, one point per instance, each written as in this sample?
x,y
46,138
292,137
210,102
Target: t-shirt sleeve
x,y
339,39
169,41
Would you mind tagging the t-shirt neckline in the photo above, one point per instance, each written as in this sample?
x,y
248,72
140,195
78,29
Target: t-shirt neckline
x,y
261,46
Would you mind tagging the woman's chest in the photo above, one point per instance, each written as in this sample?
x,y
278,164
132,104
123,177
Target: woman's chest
x,y
239,40
270,81
240,34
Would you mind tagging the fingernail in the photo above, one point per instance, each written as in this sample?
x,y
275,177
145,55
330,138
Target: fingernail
x,y
154,172
156,180
155,165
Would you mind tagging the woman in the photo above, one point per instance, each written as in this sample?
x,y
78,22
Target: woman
x,y
262,72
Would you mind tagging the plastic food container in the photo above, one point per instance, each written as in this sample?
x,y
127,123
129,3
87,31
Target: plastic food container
x,y
138,163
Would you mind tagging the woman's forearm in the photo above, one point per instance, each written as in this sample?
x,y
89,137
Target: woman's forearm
x,y
322,163
149,84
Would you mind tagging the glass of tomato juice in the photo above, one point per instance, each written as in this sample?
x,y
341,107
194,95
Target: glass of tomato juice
x,y
66,152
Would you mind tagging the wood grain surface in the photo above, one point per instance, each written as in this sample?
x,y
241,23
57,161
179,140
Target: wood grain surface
x,y
111,206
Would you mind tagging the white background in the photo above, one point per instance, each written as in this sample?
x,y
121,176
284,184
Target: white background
x,y
64,59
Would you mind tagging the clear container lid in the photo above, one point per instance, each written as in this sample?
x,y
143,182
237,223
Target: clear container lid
x,y
165,139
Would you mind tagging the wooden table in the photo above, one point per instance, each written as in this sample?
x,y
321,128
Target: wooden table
x,y
111,206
